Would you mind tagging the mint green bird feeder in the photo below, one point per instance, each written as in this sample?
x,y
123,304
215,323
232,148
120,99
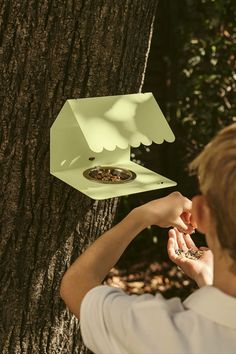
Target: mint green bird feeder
x,y
90,143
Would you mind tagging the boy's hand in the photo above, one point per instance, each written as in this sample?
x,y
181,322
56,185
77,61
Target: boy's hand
x,y
173,210
200,270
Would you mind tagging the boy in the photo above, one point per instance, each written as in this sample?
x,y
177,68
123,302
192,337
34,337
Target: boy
x,y
113,322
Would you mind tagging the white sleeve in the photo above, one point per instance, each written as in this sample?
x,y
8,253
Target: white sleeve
x,y
103,319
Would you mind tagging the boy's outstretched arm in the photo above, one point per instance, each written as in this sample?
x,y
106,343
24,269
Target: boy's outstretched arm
x,y
92,266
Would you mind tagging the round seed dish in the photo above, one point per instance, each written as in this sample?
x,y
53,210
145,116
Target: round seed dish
x,y
106,174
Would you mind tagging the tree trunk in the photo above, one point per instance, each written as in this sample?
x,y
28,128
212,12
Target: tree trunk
x,y
51,51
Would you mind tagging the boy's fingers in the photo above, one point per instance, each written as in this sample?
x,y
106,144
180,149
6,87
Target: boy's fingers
x,y
185,216
204,248
181,241
171,249
180,225
171,252
193,222
172,234
189,242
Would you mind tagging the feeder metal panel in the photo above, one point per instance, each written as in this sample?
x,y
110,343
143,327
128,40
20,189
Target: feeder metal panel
x,y
129,119
92,132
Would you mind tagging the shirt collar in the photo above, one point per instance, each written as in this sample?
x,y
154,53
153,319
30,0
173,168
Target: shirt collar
x,y
213,304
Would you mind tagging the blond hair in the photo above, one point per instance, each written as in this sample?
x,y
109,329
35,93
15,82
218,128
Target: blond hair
x,y
216,170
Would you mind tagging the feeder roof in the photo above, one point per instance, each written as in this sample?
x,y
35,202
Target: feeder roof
x,y
121,121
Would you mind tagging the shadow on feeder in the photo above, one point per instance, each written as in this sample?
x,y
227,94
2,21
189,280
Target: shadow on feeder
x,y
90,144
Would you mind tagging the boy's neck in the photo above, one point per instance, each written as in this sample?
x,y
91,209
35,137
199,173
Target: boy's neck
x,y
224,279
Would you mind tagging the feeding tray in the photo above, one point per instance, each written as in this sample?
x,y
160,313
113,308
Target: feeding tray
x,y
110,175
92,137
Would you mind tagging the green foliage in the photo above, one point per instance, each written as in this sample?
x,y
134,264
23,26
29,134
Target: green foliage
x,y
205,98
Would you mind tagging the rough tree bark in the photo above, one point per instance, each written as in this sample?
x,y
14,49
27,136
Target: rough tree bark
x,y
50,51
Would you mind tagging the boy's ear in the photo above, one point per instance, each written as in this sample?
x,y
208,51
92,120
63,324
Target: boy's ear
x,y
201,214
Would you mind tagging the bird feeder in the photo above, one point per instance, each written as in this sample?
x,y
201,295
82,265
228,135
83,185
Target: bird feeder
x,y
90,144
